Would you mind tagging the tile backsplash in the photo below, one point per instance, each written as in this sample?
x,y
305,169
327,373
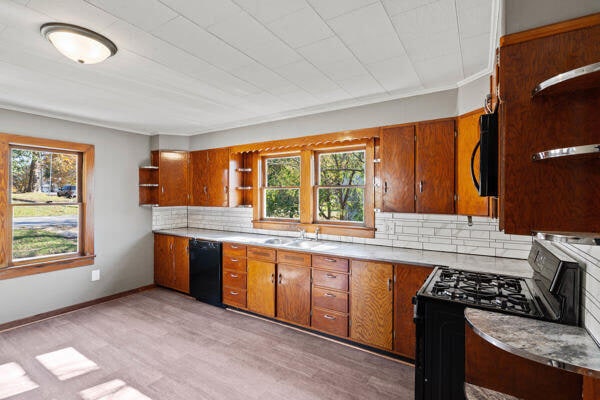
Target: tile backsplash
x,y
416,231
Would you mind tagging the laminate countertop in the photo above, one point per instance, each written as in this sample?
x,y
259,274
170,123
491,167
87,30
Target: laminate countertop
x,y
567,347
495,265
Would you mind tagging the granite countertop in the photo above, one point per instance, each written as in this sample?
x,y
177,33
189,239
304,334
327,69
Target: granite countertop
x,y
506,266
567,347
474,392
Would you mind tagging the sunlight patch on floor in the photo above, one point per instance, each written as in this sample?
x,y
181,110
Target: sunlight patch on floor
x,y
14,380
113,390
67,363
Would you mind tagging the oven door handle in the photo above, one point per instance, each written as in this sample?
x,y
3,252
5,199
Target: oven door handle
x,y
473,165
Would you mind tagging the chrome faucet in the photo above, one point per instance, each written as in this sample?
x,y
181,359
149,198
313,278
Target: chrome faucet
x,y
302,233
317,233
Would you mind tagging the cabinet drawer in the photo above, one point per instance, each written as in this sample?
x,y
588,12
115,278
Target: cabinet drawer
x,y
234,297
330,279
291,257
332,263
234,279
331,322
330,299
234,250
235,263
261,253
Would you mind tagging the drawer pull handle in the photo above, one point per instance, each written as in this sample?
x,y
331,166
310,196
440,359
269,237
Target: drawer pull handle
x,y
330,259
234,275
331,276
327,316
233,246
233,293
234,260
329,295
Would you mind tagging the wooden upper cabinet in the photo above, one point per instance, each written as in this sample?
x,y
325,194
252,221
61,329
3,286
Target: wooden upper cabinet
x,y
209,178
171,262
469,202
371,298
556,194
434,167
293,294
172,177
261,287
408,279
397,151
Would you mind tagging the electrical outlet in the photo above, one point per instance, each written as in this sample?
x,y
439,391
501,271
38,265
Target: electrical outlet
x,y
95,275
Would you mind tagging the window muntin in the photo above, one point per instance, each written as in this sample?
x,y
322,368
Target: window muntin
x,y
281,191
340,192
45,203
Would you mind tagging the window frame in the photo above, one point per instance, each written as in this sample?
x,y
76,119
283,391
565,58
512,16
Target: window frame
x,y
85,255
264,187
316,186
308,179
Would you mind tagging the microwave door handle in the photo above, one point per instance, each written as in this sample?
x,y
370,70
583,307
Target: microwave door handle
x,y
473,167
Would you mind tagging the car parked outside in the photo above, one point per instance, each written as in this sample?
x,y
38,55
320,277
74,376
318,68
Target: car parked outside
x,y
68,191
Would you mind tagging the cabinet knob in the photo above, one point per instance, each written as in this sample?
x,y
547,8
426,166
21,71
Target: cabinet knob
x,y
272,278
280,278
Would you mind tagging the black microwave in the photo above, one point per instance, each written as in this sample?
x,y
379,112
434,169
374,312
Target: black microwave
x,y
487,181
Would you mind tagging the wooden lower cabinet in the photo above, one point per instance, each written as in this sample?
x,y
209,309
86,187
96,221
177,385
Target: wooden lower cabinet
x,y
408,279
293,294
171,262
332,322
261,287
371,303
234,275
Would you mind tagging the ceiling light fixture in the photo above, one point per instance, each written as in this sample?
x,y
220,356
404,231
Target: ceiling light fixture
x,y
79,44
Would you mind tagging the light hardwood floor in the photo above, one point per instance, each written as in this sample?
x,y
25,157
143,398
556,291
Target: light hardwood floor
x,y
169,346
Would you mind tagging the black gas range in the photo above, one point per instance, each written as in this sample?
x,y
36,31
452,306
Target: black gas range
x,y
553,294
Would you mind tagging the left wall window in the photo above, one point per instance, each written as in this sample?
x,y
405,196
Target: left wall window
x,y
48,208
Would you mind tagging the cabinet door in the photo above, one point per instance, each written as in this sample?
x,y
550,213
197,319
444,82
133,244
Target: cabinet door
x,y
181,259
408,280
434,166
163,260
371,305
173,178
293,294
199,173
398,169
261,287
469,202
218,177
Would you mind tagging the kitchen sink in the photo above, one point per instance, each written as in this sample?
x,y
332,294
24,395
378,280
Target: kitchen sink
x,y
282,241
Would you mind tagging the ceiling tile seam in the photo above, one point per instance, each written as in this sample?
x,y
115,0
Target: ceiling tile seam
x,y
344,13
237,49
347,47
460,51
182,49
412,64
266,22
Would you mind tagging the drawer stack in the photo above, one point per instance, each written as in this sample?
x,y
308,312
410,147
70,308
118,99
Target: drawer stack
x,y
330,295
234,275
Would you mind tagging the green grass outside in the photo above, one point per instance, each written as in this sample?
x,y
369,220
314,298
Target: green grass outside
x,y
39,197
40,242
44,211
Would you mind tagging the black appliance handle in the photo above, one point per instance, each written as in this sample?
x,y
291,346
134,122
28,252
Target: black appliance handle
x,y
473,167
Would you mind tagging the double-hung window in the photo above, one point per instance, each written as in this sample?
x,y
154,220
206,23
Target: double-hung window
x,y
340,189
46,205
281,190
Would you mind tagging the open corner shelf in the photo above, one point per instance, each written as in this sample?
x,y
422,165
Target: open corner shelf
x,y
148,185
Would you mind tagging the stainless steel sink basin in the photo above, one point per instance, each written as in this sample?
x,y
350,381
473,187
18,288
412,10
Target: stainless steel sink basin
x,y
281,241
310,244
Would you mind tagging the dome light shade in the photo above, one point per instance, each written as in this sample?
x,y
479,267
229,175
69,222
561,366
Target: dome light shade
x,y
79,44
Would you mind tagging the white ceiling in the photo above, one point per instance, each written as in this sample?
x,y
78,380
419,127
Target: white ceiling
x,y
193,66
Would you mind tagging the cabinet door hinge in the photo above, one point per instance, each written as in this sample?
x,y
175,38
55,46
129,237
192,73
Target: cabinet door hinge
x,y
394,335
376,160
455,133
415,138
415,197
350,322
455,197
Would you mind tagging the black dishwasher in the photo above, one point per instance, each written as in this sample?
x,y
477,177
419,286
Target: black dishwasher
x,y
205,271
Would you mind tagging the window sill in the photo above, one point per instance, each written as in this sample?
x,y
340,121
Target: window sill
x,y
42,266
326,229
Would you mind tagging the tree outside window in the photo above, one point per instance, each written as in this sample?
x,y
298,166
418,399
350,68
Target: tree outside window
x,y
282,187
341,186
